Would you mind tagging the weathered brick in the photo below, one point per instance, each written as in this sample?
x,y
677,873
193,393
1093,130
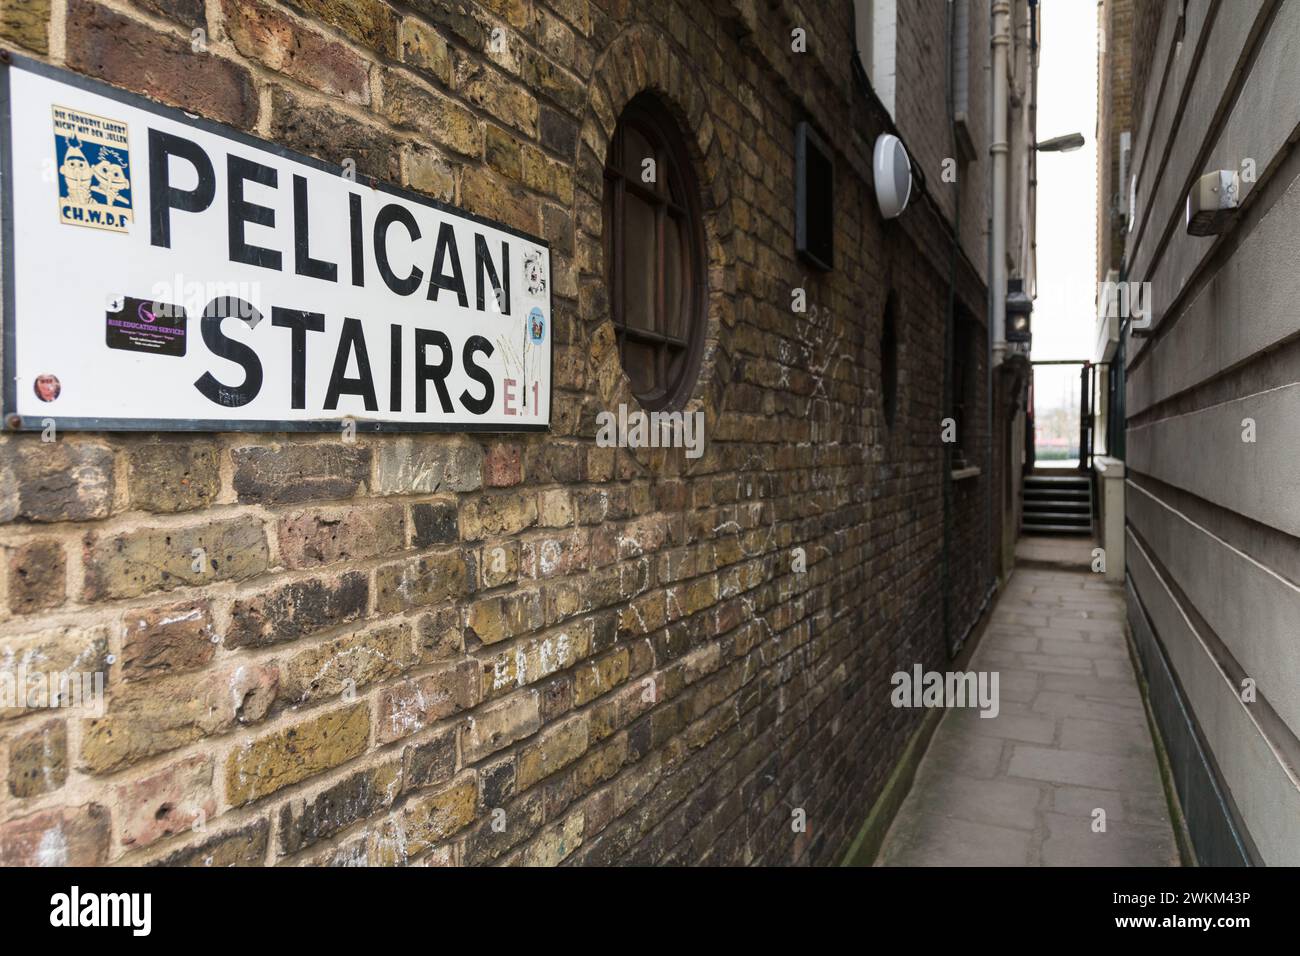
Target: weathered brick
x,y
554,556
500,724
497,94
63,836
55,481
428,171
158,716
333,136
310,539
533,660
558,132
289,473
167,640
565,89
277,760
409,466
601,763
593,678
297,610
503,465
554,509
245,846
488,194
346,663
263,33
371,23
498,618
38,759
354,798
433,818
552,461
128,53
173,476
32,665
37,576
424,49
188,13
456,17
143,560
500,513
173,800
416,703
410,104
501,151
555,844
430,762
496,783
27,23
428,579
522,818
499,564
555,748
439,635
434,523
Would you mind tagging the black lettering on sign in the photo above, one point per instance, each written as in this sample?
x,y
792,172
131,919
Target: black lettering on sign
x,y
352,340
300,323
424,372
354,229
163,196
474,344
395,368
303,263
483,263
230,396
438,279
388,215
241,211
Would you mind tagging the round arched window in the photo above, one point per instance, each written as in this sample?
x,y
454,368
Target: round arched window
x,y
654,254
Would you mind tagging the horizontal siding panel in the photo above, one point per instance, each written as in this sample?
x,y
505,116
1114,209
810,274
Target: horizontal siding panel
x,y
1248,307
1256,614
1266,795
1219,61
1202,452
1158,116
1264,117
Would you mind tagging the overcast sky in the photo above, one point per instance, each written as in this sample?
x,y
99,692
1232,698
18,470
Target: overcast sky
x,y
1064,312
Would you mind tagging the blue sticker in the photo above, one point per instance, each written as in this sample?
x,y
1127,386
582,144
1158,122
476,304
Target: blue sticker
x,y
94,170
536,326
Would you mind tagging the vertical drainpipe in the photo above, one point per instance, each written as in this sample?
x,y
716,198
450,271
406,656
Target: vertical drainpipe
x,y
1000,44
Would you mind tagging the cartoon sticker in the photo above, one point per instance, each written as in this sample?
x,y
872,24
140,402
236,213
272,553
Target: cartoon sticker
x,y
94,170
536,326
534,274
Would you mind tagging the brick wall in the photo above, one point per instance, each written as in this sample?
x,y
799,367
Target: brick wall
x,y
464,649
1114,116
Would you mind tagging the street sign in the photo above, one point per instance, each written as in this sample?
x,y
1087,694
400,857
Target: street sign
x,y
164,272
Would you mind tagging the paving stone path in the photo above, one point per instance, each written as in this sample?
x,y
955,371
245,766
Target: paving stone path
x,y
1071,737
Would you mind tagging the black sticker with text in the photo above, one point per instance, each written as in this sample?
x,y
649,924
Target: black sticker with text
x,y
146,325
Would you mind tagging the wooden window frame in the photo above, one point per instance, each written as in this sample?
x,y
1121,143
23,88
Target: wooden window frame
x,y
675,194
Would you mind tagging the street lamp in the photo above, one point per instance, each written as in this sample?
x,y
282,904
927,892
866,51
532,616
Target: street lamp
x,y
1019,309
1060,144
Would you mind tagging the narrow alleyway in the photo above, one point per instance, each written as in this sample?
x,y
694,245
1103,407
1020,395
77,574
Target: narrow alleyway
x,y
1070,739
